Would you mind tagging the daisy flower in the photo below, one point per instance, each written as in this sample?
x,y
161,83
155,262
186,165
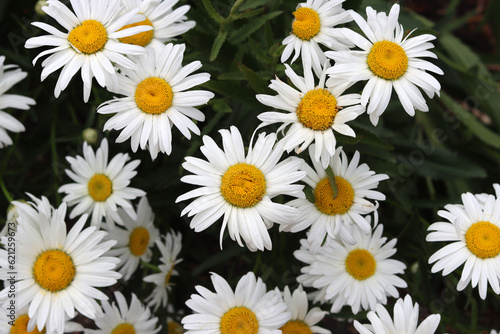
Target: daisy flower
x,y
360,275
101,187
155,100
313,25
58,271
90,42
134,242
405,320
125,319
249,309
166,22
170,248
9,76
387,60
240,187
473,234
313,113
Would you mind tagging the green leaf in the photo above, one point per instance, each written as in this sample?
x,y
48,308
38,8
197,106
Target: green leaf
x,y
463,55
230,89
247,14
258,84
369,138
221,106
212,12
239,35
219,40
333,183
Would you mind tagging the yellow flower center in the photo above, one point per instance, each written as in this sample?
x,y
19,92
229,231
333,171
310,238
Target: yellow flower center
x,y
317,109
124,329
239,320
169,275
21,326
89,37
138,241
306,24
483,239
387,60
243,185
100,187
53,270
153,95
296,327
142,38
173,327
360,263
323,196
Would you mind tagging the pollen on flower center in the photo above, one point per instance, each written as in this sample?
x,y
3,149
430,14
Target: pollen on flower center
x,y
53,270
387,60
243,185
483,239
239,320
138,241
360,264
142,38
323,196
89,37
317,109
306,24
153,95
21,326
295,327
124,329
100,187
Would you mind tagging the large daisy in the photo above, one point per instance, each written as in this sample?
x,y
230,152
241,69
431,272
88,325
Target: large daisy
x,y
58,271
313,113
472,230
155,100
249,309
388,60
101,187
90,42
240,187
9,76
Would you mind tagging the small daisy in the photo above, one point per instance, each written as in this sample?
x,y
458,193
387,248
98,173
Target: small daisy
x,y
169,248
58,271
359,275
387,60
313,25
124,319
90,43
356,185
405,320
314,113
135,241
155,100
101,187
241,188
473,234
9,76
166,23
249,309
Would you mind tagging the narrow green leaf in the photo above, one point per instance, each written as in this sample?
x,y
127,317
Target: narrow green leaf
x,y
221,106
258,84
463,55
369,138
239,35
331,178
219,40
212,12
309,194
247,14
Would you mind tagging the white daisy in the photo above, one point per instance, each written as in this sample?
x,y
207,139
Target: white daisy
x,y
241,188
359,275
313,25
170,248
125,319
166,22
9,76
155,100
387,60
101,187
135,241
314,112
473,234
90,43
249,309
58,271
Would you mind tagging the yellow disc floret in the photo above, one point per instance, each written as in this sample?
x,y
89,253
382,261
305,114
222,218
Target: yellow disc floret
x,y
295,327
243,185
138,241
306,24
173,327
360,264
53,270
239,320
124,329
323,196
142,38
153,95
387,60
89,37
100,187
317,109
21,326
483,239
